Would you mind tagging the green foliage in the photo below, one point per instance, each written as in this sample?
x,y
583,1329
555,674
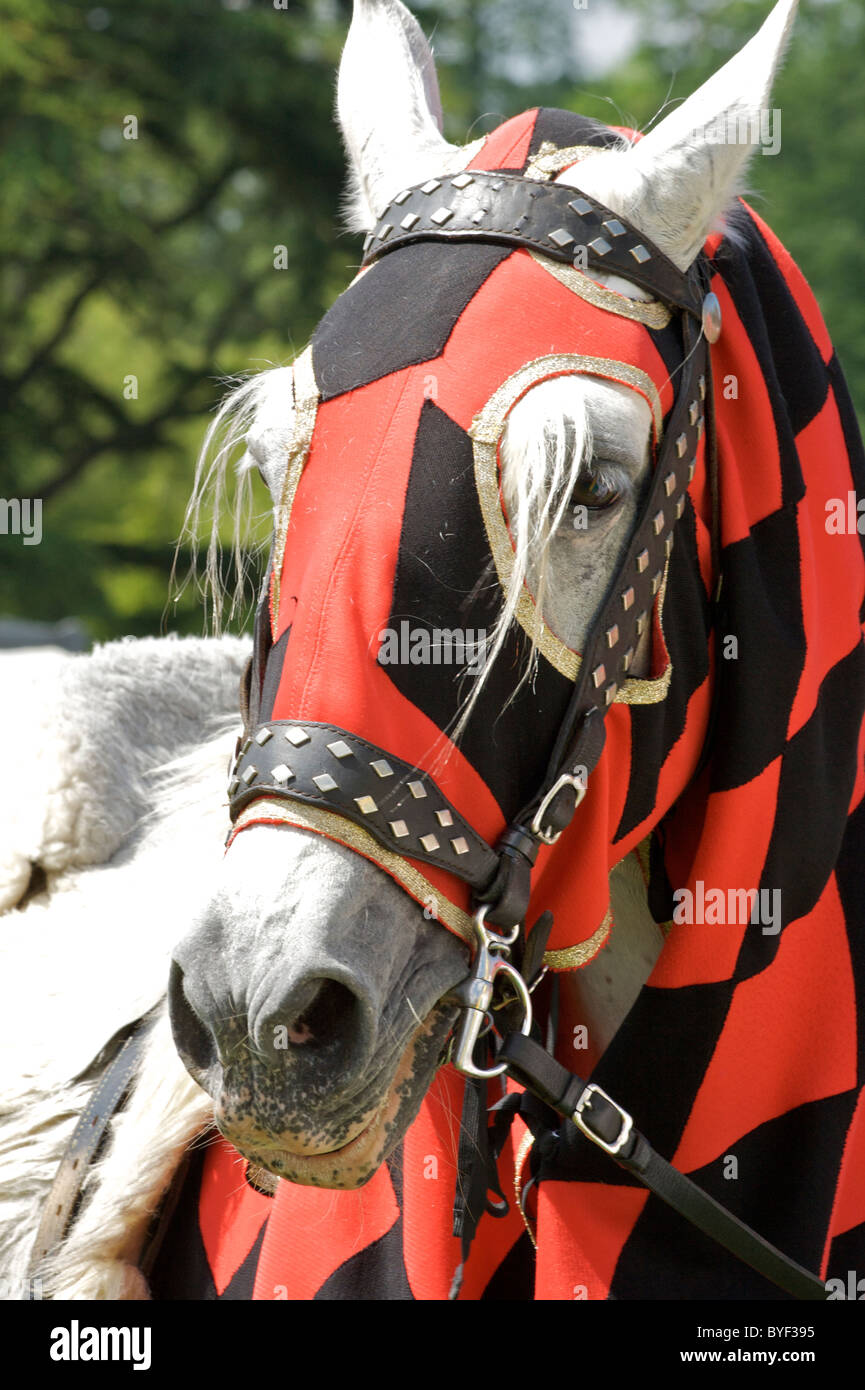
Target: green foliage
x,y
137,274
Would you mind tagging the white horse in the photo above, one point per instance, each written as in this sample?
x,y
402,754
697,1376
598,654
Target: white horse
x,y
294,929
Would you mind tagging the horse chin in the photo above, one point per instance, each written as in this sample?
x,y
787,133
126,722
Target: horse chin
x,y
373,1137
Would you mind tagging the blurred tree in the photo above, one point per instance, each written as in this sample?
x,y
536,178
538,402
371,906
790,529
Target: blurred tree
x,y
155,156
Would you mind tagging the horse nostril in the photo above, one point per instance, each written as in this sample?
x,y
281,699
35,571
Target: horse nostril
x,y
320,1014
193,1040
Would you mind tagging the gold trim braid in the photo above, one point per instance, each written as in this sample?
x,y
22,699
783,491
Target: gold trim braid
x,y
650,312
305,400
486,431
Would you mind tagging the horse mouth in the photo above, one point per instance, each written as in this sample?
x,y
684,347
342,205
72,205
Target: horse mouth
x,y
354,1160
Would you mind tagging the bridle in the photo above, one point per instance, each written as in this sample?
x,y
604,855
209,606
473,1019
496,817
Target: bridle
x,y
401,806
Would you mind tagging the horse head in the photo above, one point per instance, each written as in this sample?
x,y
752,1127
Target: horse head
x,y
457,466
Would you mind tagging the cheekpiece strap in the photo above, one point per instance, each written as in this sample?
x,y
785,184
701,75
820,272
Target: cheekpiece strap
x,y
557,221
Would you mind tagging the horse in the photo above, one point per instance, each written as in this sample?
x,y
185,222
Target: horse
x,y
461,462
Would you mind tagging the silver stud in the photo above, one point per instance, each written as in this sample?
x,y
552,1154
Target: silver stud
x,y
430,186
479,215
668,545
403,197
249,775
610,693
680,507
712,318
263,736
430,843
561,238
640,254
692,468
628,599
324,782
599,675
244,747
497,185
366,804
399,829
417,789
641,623
702,386
681,446
642,561
614,227
658,523
700,424
442,216
382,768
670,484
385,231
656,581
581,205
232,786
297,736
627,659
612,635
410,220
340,749
444,818
462,181
460,845
600,246
693,412
281,773
367,242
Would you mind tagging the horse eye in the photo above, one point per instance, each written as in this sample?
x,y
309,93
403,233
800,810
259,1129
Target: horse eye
x,y
597,491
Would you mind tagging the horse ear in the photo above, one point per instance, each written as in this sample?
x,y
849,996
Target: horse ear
x,y
389,109
675,182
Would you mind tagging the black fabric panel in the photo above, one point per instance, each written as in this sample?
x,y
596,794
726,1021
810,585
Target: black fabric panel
x,y
818,770
272,676
566,128
848,1253
852,440
181,1272
378,1271
655,728
514,1280
243,1280
795,375
779,1163
374,1274
445,578
850,876
401,312
762,608
262,642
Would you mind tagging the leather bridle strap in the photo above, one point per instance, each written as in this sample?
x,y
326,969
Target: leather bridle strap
x,y
611,1129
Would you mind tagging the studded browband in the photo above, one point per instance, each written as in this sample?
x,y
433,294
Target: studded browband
x,y
401,806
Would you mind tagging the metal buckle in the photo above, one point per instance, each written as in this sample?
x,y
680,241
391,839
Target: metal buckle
x,y
627,1122
567,779
475,995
